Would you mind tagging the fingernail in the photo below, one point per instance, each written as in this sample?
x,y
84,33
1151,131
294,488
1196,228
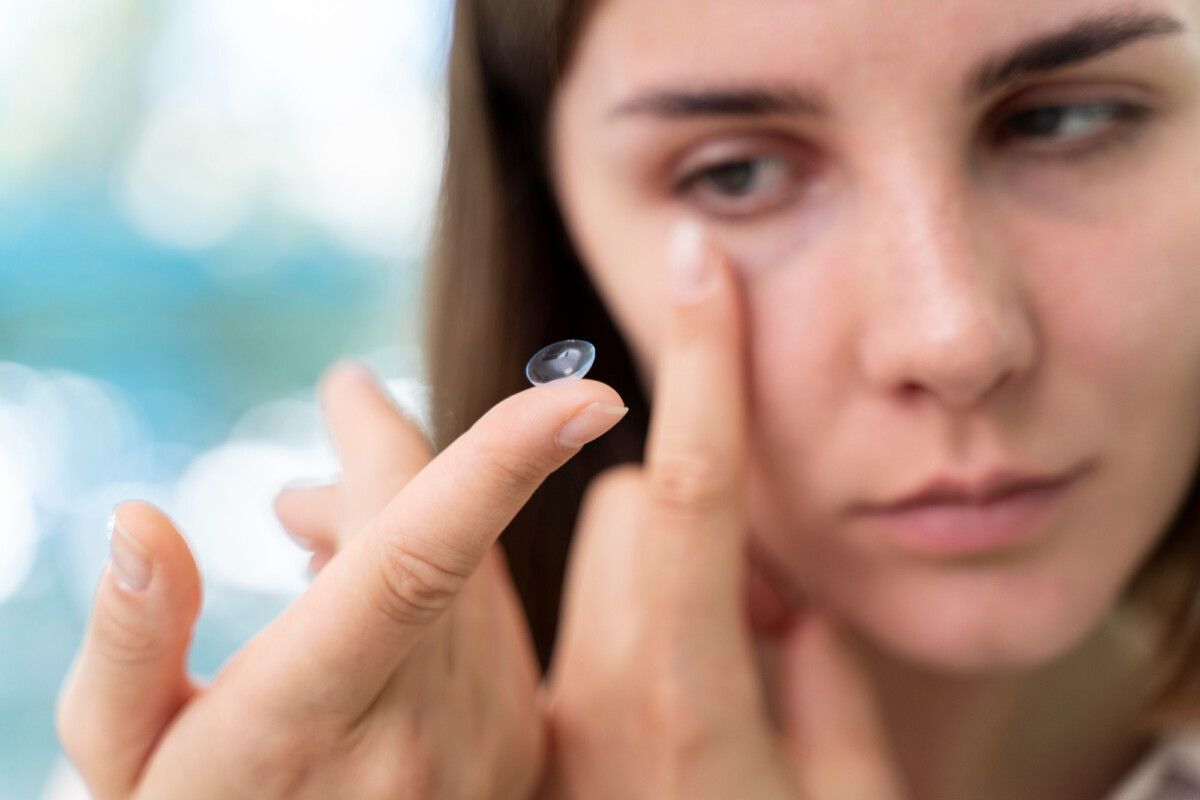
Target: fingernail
x,y
130,559
303,542
304,484
353,369
588,424
689,264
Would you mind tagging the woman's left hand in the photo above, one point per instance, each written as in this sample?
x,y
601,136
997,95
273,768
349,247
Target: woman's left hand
x,y
655,691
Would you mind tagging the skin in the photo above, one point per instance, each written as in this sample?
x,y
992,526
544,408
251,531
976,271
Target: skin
x,y
924,295
940,297
406,657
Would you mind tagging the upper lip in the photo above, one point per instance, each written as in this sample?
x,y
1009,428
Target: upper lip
x,y
994,484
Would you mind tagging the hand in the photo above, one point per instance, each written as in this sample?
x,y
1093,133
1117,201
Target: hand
x,y
654,690
404,671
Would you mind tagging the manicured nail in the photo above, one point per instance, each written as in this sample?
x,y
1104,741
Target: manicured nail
x,y
689,264
130,559
588,424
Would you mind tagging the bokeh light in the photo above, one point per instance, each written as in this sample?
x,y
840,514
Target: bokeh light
x,y
205,203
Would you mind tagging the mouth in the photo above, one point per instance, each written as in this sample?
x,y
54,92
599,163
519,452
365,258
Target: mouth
x,y
955,518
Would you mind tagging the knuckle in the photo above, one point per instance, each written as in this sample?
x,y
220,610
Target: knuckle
x,y
280,760
414,590
689,714
280,766
122,639
516,472
404,761
413,776
681,733
330,389
689,481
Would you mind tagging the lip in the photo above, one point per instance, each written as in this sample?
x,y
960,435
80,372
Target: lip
x,y
953,518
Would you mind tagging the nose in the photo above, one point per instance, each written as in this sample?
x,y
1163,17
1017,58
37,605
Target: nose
x,y
945,315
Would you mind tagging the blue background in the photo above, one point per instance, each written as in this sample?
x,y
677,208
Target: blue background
x,y
202,205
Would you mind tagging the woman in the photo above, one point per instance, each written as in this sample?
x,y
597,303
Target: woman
x,y
910,286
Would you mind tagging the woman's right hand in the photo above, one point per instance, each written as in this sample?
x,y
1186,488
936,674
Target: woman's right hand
x,y
405,670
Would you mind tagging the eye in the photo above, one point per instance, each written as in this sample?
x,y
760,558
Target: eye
x,y
740,187
1067,127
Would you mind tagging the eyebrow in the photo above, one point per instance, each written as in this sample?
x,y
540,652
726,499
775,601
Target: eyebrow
x,y
1085,40
1082,41
724,102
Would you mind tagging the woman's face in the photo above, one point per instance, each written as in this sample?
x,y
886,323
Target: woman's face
x,y
969,236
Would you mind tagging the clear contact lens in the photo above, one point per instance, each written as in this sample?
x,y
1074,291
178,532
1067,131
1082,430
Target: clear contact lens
x,y
561,362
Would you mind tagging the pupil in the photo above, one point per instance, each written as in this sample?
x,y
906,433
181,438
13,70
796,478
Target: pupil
x,y
1038,121
733,178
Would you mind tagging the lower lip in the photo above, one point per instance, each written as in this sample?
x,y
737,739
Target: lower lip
x,y
959,529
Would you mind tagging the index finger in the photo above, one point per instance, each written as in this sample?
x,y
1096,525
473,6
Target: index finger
x,y
696,451
343,639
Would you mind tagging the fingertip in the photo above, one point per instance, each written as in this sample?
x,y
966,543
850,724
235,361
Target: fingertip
x,y
287,503
281,501
129,678
363,415
311,516
343,379
574,415
153,535
566,400
147,522
345,371
621,482
602,393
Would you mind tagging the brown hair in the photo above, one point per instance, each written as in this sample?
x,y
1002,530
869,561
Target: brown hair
x,y
505,281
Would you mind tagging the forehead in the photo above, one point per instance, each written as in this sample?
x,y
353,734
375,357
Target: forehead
x,y
629,44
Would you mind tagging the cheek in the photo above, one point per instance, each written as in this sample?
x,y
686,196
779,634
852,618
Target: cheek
x,y
1122,342
802,381
1122,306
1117,378
628,273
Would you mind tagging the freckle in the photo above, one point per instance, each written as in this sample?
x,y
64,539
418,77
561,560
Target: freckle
x,y
561,363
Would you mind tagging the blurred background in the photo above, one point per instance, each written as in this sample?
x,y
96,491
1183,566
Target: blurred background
x,y
203,203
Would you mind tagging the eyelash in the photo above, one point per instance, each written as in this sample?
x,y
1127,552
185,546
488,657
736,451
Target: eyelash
x,y
693,182
1121,121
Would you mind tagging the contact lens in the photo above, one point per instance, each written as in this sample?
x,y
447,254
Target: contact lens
x,y
561,362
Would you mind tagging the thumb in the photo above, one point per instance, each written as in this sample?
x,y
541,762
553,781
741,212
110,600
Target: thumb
x,y
836,741
130,677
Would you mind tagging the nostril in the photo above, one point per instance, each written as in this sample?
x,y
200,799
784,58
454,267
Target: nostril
x,y
961,362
